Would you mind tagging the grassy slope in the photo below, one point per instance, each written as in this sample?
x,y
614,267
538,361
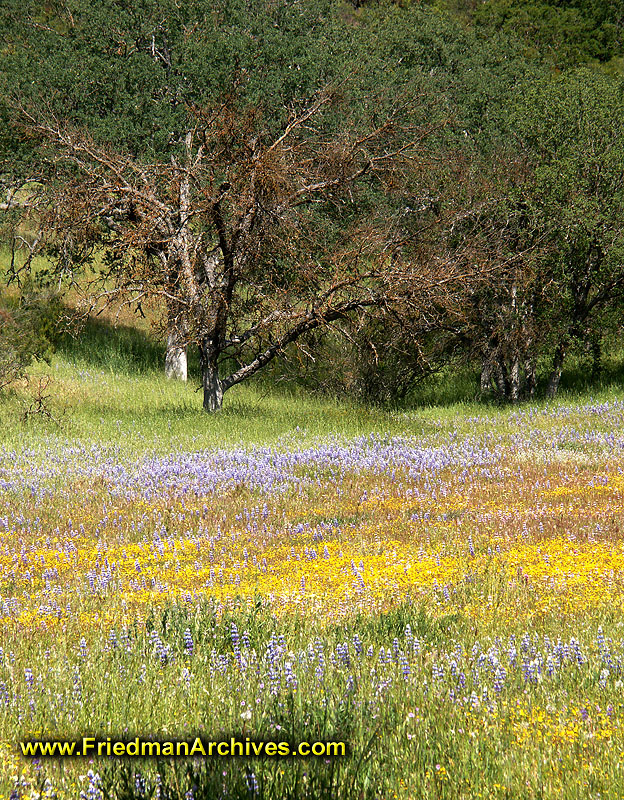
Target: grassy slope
x,y
108,386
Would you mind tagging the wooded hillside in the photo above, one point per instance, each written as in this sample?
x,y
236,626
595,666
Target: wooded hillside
x,y
383,189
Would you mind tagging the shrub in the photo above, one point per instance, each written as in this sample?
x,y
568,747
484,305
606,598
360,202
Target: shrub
x,y
28,331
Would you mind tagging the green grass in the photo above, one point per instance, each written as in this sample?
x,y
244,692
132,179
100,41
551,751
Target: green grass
x,y
407,738
107,384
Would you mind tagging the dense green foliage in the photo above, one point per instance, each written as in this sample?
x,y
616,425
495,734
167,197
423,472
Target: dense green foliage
x,y
129,72
29,330
564,32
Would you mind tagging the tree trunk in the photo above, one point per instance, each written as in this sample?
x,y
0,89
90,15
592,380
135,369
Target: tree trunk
x,y
596,350
555,375
530,372
501,378
213,387
514,379
213,391
486,374
175,358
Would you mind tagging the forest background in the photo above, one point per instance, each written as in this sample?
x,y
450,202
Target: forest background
x,y
352,198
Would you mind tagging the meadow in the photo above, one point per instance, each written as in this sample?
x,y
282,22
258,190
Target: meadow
x,y
439,588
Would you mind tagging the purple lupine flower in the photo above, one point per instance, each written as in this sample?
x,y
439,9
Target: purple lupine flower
x,y
499,678
252,783
77,686
320,660
405,667
140,786
550,666
188,642
94,789
273,671
343,653
29,677
161,650
291,678
600,639
576,649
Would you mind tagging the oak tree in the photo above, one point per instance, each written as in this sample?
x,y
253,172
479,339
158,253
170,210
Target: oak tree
x,y
249,239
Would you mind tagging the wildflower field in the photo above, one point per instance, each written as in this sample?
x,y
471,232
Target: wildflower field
x,y
447,599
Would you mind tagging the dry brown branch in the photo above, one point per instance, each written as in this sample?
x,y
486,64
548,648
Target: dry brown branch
x,y
230,234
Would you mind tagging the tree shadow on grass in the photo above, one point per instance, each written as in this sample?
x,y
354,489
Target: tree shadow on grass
x,y
578,376
117,348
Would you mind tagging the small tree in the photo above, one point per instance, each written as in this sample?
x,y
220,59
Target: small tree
x,y
573,129
549,211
